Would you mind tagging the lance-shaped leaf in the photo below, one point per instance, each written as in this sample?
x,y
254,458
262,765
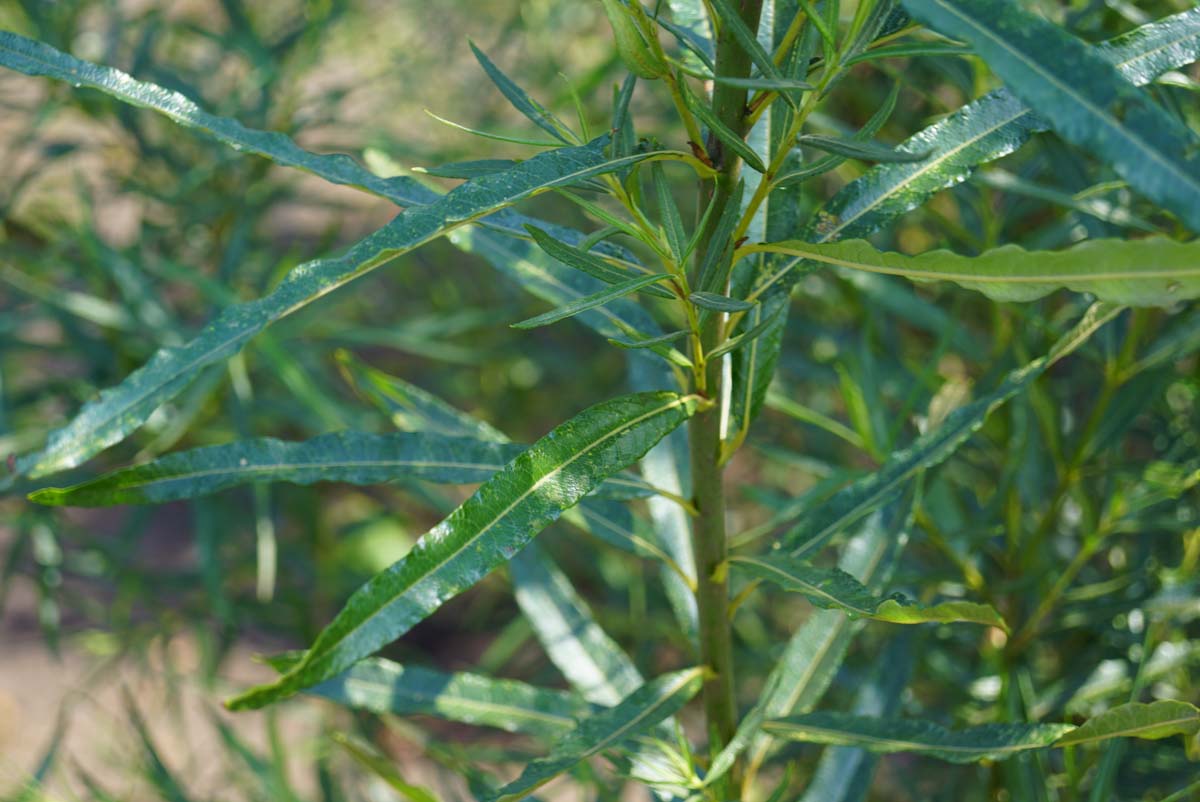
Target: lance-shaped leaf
x,y
35,58
590,660
1146,272
636,714
834,589
860,149
520,100
382,686
861,497
592,301
986,742
1161,719
353,457
121,409
588,262
1081,93
489,528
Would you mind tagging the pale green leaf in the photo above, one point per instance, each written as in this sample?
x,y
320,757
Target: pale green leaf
x,y
1078,90
834,589
592,301
353,457
489,528
1161,719
985,742
636,714
1145,272
382,686
119,410
591,661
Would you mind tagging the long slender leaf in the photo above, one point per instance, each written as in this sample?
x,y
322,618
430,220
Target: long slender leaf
x,y
591,661
834,589
591,301
1081,93
933,447
35,58
1146,272
382,686
520,100
353,457
637,713
490,527
985,742
121,409
587,262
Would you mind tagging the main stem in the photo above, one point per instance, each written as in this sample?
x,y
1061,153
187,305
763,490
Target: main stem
x,y
704,429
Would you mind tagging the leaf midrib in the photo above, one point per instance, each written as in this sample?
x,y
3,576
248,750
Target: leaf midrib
x,y
810,589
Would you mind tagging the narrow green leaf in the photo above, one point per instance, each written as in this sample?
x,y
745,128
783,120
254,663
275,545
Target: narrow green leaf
x,y
721,131
834,589
745,338
910,49
636,714
591,301
497,137
862,150
719,303
520,100
35,58
691,25
489,528
588,263
935,446
770,84
731,20
591,661
119,410
669,212
1145,272
1079,91
353,457
985,742
382,686
662,339
468,169
1154,720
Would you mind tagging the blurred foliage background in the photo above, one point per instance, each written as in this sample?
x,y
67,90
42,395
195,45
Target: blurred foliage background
x,y
120,233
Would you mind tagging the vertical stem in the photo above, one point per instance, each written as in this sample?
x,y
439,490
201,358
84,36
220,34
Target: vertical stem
x,y
704,435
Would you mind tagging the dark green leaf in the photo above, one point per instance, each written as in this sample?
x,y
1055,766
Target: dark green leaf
x,y
722,132
1161,719
719,303
588,262
521,101
861,150
909,49
468,169
1079,91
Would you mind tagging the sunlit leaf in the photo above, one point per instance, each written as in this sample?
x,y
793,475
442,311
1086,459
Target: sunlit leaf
x,y
489,528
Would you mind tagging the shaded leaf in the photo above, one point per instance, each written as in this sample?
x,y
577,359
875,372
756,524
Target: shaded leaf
x,y
861,150
588,262
520,100
719,303
859,498
985,742
637,713
591,301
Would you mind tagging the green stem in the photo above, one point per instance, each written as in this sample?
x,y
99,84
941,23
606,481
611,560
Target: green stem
x,y
704,429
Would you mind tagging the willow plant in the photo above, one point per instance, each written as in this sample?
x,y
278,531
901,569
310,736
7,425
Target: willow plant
x,y
699,234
